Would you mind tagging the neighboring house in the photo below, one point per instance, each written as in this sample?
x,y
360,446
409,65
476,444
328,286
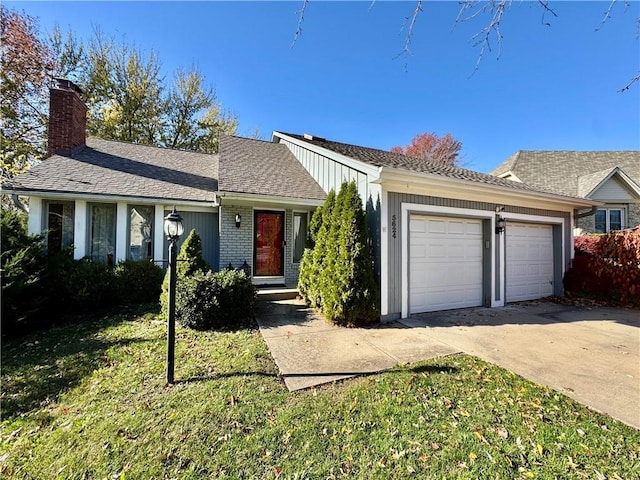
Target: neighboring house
x,y
433,228
609,177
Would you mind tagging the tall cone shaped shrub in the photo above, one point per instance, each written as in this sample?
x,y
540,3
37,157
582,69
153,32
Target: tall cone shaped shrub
x,y
338,276
312,263
190,260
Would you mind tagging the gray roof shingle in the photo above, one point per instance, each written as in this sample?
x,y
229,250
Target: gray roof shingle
x,y
569,172
383,158
265,168
107,167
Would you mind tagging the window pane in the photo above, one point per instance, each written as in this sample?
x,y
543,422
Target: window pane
x,y
102,239
601,221
60,221
140,233
615,219
299,235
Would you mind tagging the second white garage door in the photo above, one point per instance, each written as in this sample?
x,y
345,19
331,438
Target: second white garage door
x,y
529,258
445,263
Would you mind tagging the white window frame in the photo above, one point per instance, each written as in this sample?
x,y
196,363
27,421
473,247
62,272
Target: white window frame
x,y
293,233
48,204
90,206
608,211
130,207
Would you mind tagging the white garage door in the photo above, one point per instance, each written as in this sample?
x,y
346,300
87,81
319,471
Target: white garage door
x,y
529,258
445,263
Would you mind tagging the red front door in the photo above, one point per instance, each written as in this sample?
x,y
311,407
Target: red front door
x,y
268,254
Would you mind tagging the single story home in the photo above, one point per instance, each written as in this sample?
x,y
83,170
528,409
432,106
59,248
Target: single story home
x,y
609,177
443,237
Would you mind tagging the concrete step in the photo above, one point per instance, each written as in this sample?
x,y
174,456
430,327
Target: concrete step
x,y
277,293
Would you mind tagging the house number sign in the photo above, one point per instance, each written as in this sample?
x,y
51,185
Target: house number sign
x,y
394,227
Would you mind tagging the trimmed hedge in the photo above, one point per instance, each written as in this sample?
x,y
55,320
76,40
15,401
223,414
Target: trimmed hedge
x,y
206,301
337,275
39,289
138,281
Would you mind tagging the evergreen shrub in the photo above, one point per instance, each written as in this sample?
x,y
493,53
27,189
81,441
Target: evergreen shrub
x,y
224,299
337,276
138,281
190,261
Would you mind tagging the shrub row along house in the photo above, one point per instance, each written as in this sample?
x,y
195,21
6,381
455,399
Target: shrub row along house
x,y
438,233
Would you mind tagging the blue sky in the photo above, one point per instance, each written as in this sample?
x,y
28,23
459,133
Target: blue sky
x,y
552,88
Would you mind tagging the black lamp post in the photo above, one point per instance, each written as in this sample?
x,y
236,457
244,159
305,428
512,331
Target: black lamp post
x,y
501,223
173,229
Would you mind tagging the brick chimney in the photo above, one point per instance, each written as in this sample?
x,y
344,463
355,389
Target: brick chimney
x,y
67,118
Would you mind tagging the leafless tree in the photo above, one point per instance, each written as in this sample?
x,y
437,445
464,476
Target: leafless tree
x,y
489,36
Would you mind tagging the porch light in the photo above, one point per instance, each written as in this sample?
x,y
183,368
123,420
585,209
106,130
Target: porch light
x,y
173,228
501,223
238,220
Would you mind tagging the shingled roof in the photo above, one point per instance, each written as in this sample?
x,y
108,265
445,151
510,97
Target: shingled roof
x,y
383,158
264,168
107,167
569,172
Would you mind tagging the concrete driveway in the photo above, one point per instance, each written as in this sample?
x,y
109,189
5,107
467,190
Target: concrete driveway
x,y
589,354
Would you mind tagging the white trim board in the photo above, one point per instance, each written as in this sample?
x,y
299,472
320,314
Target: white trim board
x,y
408,208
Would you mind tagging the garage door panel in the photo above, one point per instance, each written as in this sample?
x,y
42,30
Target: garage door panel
x,y
529,259
449,273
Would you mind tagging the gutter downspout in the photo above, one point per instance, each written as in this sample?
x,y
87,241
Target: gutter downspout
x,y
593,210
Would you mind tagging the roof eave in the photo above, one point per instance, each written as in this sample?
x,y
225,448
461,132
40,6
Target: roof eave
x,y
275,199
623,176
343,159
462,187
68,195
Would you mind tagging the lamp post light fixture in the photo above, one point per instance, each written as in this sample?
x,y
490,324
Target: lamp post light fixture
x,y
173,229
501,223
238,220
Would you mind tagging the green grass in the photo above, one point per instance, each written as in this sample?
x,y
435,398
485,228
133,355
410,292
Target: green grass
x,y
90,401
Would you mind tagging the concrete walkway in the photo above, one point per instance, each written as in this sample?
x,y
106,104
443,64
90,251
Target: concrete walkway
x,y
591,355
309,351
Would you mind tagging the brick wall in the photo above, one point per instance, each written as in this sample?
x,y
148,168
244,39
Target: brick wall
x,y
236,244
67,119
586,224
634,215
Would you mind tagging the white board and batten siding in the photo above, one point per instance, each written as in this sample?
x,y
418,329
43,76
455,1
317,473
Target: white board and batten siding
x,y
445,263
529,261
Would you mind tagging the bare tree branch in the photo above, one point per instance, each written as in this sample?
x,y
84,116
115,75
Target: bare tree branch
x,y
406,51
631,82
546,9
301,13
607,14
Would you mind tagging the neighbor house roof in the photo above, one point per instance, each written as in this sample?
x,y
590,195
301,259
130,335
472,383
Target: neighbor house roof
x,y
264,168
570,172
383,158
112,168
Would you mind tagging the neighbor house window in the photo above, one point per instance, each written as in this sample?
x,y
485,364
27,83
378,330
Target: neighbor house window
x,y
59,227
102,233
140,232
608,219
300,224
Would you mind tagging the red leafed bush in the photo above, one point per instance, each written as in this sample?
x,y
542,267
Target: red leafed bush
x,y
607,266
586,244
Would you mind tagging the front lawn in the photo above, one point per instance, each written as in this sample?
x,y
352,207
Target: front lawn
x,y
90,401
